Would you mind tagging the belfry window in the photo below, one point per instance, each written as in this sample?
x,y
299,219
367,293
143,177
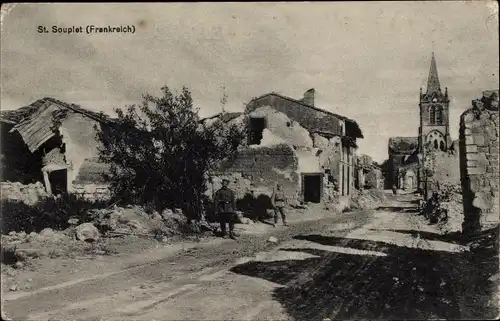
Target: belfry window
x,y
439,115
432,115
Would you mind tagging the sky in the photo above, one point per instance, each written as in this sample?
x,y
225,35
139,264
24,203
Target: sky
x,y
366,60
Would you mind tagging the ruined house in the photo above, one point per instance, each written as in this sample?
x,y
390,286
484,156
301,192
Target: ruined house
x,y
403,163
368,173
310,151
55,143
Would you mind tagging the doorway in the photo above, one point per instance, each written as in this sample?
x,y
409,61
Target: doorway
x,y
312,187
59,181
409,183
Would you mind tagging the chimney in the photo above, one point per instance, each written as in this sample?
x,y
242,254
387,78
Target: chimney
x,y
309,97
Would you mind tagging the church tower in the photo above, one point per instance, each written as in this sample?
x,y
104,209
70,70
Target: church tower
x,y
434,129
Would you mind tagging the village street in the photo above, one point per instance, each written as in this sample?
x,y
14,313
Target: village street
x,y
383,264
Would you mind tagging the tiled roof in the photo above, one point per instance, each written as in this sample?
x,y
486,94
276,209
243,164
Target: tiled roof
x,y
37,124
321,124
225,117
405,145
16,115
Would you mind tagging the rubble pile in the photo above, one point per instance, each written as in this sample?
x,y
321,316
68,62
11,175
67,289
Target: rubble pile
x,y
444,208
135,220
453,205
18,248
367,199
86,237
28,194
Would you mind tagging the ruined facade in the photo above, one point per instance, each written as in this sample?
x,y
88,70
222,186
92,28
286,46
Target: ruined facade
x,y
479,163
61,139
310,151
403,163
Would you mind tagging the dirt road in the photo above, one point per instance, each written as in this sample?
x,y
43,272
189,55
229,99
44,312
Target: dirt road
x,y
383,264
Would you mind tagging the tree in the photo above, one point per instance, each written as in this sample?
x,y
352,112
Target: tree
x,y
160,152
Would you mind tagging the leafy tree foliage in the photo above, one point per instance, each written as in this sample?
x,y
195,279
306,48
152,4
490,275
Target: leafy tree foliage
x,y
160,152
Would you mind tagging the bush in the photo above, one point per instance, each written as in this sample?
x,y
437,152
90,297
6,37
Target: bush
x,y
162,160
48,212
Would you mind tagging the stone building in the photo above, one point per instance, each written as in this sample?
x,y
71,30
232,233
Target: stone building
x,y
310,151
369,174
479,163
56,144
402,162
407,154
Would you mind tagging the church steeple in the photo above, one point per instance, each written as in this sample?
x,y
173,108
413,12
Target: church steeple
x,y
433,85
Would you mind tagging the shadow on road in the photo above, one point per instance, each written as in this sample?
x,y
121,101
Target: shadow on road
x,y
398,209
454,237
408,283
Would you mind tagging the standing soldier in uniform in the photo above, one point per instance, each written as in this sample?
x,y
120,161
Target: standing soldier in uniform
x,y
279,202
225,206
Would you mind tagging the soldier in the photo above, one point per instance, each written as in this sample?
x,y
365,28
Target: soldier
x,y
279,202
225,206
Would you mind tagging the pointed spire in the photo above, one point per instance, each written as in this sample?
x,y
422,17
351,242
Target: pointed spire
x,y
433,84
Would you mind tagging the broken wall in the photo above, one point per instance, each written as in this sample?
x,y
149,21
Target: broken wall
x,y
445,168
79,134
374,179
479,166
286,150
259,169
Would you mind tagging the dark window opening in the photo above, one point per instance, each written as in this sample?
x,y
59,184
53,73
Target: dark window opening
x,y
256,126
435,144
312,187
441,145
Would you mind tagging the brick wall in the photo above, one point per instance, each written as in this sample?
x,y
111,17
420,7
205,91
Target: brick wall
x,y
479,167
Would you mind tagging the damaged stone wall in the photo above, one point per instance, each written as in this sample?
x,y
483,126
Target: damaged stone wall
x,y
374,179
259,169
285,152
479,164
29,194
79,135
92,192
445,168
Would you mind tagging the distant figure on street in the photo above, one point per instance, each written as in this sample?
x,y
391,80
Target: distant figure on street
x,y
279,201
394,189
225,206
